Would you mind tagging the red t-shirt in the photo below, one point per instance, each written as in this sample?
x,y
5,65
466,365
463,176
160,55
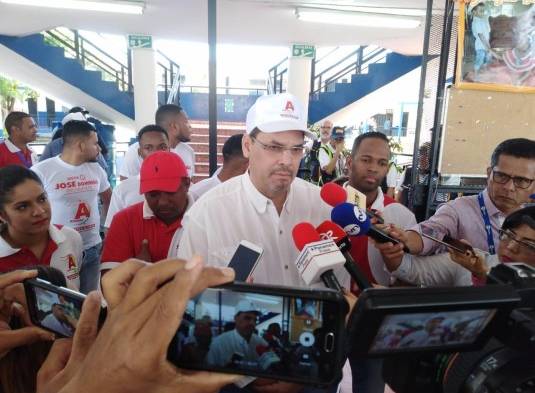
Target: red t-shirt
x,y
129,228
359,250
9,158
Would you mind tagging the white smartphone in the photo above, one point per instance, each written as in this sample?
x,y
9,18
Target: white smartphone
x,y
245,259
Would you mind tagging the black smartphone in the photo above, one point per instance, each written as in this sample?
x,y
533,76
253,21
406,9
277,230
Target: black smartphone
x,y
245,260
387,322
273,332
54,308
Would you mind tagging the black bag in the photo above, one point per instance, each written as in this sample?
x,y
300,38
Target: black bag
x,y
309,167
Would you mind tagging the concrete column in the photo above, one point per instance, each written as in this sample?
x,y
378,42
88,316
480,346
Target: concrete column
x,y
299,71
145,89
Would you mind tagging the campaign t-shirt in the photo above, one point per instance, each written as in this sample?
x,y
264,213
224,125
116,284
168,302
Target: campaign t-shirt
x,y
73,194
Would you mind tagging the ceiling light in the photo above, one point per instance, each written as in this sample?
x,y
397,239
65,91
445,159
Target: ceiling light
x,y
124,7
349,18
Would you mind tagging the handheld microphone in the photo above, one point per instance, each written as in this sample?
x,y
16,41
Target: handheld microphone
x,y
317,258
334,194
355,222
329,230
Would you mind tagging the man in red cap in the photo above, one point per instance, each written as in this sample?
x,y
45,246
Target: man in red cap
x,y
145,230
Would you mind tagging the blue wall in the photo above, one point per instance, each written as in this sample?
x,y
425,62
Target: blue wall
x,y
229,107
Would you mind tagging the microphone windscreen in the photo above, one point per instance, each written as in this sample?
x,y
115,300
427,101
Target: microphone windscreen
x,y
333,194
304,233
329,230
351,218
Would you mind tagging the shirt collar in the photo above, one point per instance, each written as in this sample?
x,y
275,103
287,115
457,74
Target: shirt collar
x,y
148,213
55,235
259,200
12,148
379,202
491,207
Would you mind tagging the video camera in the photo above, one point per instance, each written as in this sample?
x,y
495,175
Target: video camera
x,y
450,340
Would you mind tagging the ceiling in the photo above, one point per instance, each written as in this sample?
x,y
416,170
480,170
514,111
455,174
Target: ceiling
x,y
252,22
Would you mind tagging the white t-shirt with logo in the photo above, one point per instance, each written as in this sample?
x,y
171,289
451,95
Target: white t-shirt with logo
x,y
132,161
73,193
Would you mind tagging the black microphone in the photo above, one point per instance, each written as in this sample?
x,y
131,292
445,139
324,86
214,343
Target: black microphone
x,y
329,229
355,222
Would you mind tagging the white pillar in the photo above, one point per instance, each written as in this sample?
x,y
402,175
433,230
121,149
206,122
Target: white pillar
x,y
145,89
299,71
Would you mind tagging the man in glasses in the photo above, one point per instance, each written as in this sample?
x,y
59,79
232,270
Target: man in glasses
x,y
478,218
264,204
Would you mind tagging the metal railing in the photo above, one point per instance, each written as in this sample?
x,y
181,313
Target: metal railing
x,y
91,56
225,90
354,63
170,73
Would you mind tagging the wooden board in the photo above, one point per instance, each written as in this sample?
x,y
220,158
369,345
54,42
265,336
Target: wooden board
x,y
476,122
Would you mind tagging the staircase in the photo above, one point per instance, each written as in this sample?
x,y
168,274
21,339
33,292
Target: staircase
x,y
339,79
199,143
53,59
324,103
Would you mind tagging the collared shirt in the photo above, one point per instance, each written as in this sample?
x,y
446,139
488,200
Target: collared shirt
x,y
438,270
10,155
124,195
130,227
63,251
132,161
51,322
365,253
55,148
198,189
235,211
461,219
229,344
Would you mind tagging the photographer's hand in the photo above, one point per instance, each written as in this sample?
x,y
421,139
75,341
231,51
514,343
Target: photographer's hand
x,y
146,306
13,302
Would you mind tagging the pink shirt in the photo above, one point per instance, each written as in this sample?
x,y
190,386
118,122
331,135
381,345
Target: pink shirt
x,y
461,219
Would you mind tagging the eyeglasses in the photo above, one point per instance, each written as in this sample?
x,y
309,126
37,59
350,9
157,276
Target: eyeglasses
x,y
503,178
296,151
508,235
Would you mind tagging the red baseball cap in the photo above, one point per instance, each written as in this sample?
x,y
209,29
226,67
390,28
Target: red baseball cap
x,y
162,171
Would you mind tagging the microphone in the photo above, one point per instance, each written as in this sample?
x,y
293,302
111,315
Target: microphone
x,y
355,222
317,258
329,230
334,194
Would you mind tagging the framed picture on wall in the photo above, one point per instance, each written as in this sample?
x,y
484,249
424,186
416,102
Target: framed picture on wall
x,y
496,45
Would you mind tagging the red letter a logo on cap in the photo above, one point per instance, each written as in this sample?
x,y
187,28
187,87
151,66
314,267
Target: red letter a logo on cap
x,y
289,106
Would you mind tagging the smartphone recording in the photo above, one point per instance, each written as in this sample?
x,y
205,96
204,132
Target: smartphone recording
x,y
294,335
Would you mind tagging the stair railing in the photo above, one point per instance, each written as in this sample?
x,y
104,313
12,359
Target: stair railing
x,y
170,82
356,62
91,56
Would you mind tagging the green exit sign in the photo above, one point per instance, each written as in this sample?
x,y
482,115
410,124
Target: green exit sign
x,y
139,41
303,50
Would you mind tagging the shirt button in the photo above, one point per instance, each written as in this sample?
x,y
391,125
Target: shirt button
x,y
280,232
286,267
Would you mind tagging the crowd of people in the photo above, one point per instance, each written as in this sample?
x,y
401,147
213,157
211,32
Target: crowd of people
x,y
165,239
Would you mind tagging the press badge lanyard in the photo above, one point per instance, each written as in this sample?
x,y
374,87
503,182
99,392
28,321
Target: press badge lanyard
x,y
486,221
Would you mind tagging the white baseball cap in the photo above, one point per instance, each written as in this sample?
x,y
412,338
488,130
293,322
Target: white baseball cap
x,y
73,116
246,306
278,113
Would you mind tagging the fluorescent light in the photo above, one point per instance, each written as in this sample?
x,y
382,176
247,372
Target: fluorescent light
x,y
357,18
124,7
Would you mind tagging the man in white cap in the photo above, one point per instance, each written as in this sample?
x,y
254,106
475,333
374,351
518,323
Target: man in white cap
x,y
264,204
241,343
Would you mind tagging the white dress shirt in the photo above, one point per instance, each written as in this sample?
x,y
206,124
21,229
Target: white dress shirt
x,y
124,195
235,211
198,189
132,161
227,344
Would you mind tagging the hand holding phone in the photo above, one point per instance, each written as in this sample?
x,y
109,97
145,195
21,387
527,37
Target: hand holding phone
x,y
245,260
